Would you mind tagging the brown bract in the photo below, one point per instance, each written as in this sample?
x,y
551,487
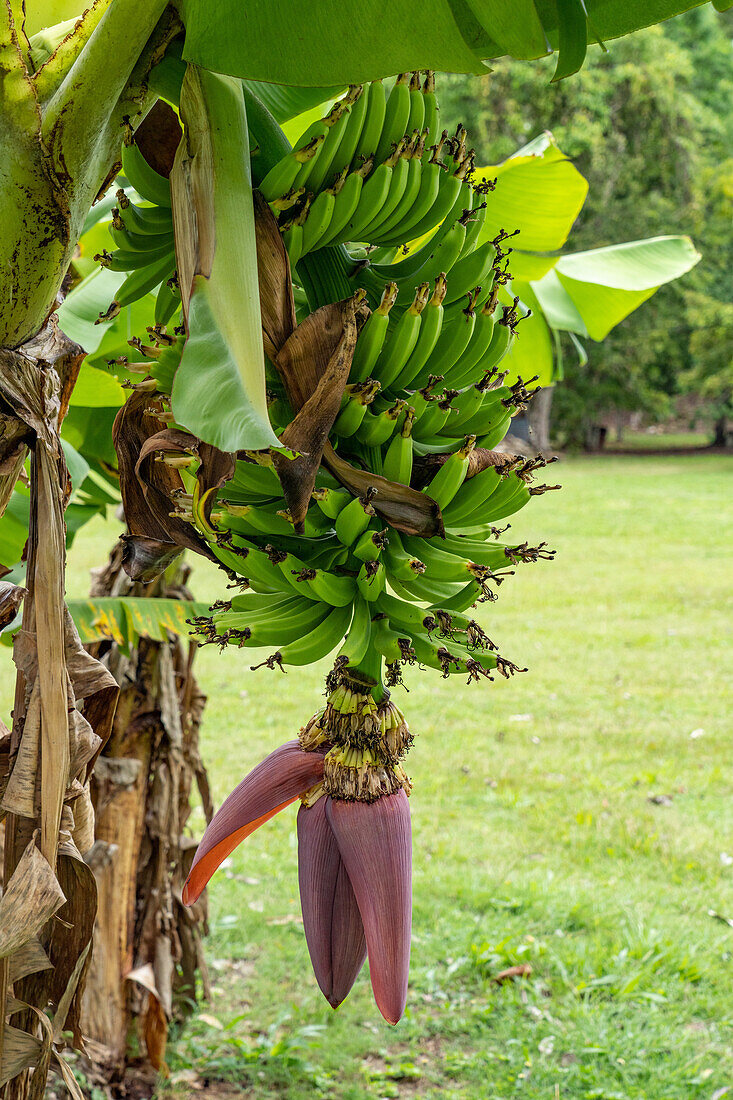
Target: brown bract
x,y
426,466
277,307
314,364
155,536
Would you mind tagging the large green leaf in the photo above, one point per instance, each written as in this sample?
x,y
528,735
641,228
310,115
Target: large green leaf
x,y
126,620
539,192
96,389
219,388
340,41
590,292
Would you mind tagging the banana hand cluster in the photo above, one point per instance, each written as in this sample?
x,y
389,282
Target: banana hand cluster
x,y
143,239
425,401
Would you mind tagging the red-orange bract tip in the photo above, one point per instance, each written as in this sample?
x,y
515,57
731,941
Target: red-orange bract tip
x,y
375,843
281,777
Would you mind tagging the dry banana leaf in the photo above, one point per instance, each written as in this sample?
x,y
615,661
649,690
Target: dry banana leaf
x,y
332,332
11,597
31,898
19,1051
277,307
29,958
147,503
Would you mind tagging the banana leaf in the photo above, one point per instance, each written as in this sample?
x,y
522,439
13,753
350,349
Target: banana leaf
x,y
539,192
340,41
219,388
588,293
126,620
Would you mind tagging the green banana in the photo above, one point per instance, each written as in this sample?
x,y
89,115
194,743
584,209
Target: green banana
x,y
470,364
433,421
401,343
122,260
406,616
346,152
432,111
376,429
388,642
358,640
346,204
470,271
332,501
353,520
280,180
373,123
278,628
409,193
319,217
137,242
374,195
144,219
430,329
431,178
141,282
416,119
472,494
338,121
167,302
450,346
396,118
397,464
317,644
445,484
353,410
370,580
397,186
148,183
371,339
369,546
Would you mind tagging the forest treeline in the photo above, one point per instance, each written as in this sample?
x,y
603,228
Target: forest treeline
x,y
650,125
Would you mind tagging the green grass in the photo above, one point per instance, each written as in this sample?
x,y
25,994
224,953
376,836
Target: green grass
x,y
662,441
534,835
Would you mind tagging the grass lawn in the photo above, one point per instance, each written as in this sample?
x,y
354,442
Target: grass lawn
x,y
577,818
659,441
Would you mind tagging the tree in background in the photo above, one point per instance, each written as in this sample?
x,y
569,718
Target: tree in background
x,y
650,128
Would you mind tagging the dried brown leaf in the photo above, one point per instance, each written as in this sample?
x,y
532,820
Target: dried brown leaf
x,y
524,970
277,307
308,432
19,1051
11,597
29,958
30,899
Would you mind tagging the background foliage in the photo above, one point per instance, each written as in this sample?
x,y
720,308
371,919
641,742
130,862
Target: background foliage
x,y
650,126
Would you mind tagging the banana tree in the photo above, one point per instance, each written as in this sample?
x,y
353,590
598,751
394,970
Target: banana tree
x,y
73,96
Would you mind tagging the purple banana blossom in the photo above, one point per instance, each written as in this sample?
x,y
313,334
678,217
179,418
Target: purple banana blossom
x,y
354,869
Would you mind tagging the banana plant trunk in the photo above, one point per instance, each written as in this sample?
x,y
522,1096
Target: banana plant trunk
x,y
147,950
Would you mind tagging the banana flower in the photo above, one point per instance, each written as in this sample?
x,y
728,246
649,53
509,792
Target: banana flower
x,y
354,869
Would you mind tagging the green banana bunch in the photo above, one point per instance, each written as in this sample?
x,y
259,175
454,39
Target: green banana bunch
x,y
373,195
